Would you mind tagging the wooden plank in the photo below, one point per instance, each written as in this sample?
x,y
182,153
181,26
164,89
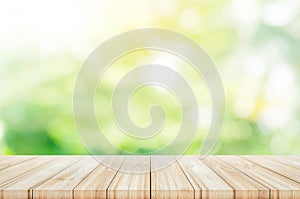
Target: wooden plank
x,y
275,166
168,179
279,186
61,186
132,180
21,187
8,174
206,182
244,186
94,186
9,161
287,160
66,177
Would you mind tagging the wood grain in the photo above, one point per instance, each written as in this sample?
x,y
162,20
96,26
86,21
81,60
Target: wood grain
x,y
10,173
244,186
278,167
94,186
279,186
61,186
287,160
18,189
168,179
206,182
158,177
132,180
10,161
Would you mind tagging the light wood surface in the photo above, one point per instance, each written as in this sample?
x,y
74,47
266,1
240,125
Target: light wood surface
x,y
288,160
279,186
124,177
206,182
9,174
62,185
281,168
168,180
8,161
132,180
98,181
244,186
20,186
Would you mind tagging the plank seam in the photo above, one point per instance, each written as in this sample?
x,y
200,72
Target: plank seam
x,y
188,179
150,178
18,163
40,183
246,175
245,165
275,160
234,190
106,191
269,169
23,174
281,162
85,177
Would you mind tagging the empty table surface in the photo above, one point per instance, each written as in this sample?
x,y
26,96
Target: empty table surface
x,y
99,177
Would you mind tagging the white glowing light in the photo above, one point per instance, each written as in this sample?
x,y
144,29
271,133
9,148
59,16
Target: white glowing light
x,y
255,66
189,19
245,11
167,8
280,85
280,13
280,97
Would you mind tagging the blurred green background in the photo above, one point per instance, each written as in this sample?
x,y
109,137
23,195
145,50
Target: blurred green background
x,y
254,43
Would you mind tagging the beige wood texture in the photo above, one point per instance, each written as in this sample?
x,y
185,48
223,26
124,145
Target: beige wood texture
x,y
287,160
206,182
159,177
61,186
281,168
9,161
279,186
132,180
22,186
168,180
94,186
244,186
10,173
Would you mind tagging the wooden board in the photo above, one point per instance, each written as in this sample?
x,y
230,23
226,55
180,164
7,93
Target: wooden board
x,y
18,188
120,177
62,185
278,167
98,181
132,180
279,186
17,170
10,161
206,182
168,180
244,186
287,160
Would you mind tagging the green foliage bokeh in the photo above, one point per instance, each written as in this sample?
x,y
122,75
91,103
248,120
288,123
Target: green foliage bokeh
x,y
255,45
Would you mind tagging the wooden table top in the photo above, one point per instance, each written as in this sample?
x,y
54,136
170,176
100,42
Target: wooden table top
x,y
64,177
